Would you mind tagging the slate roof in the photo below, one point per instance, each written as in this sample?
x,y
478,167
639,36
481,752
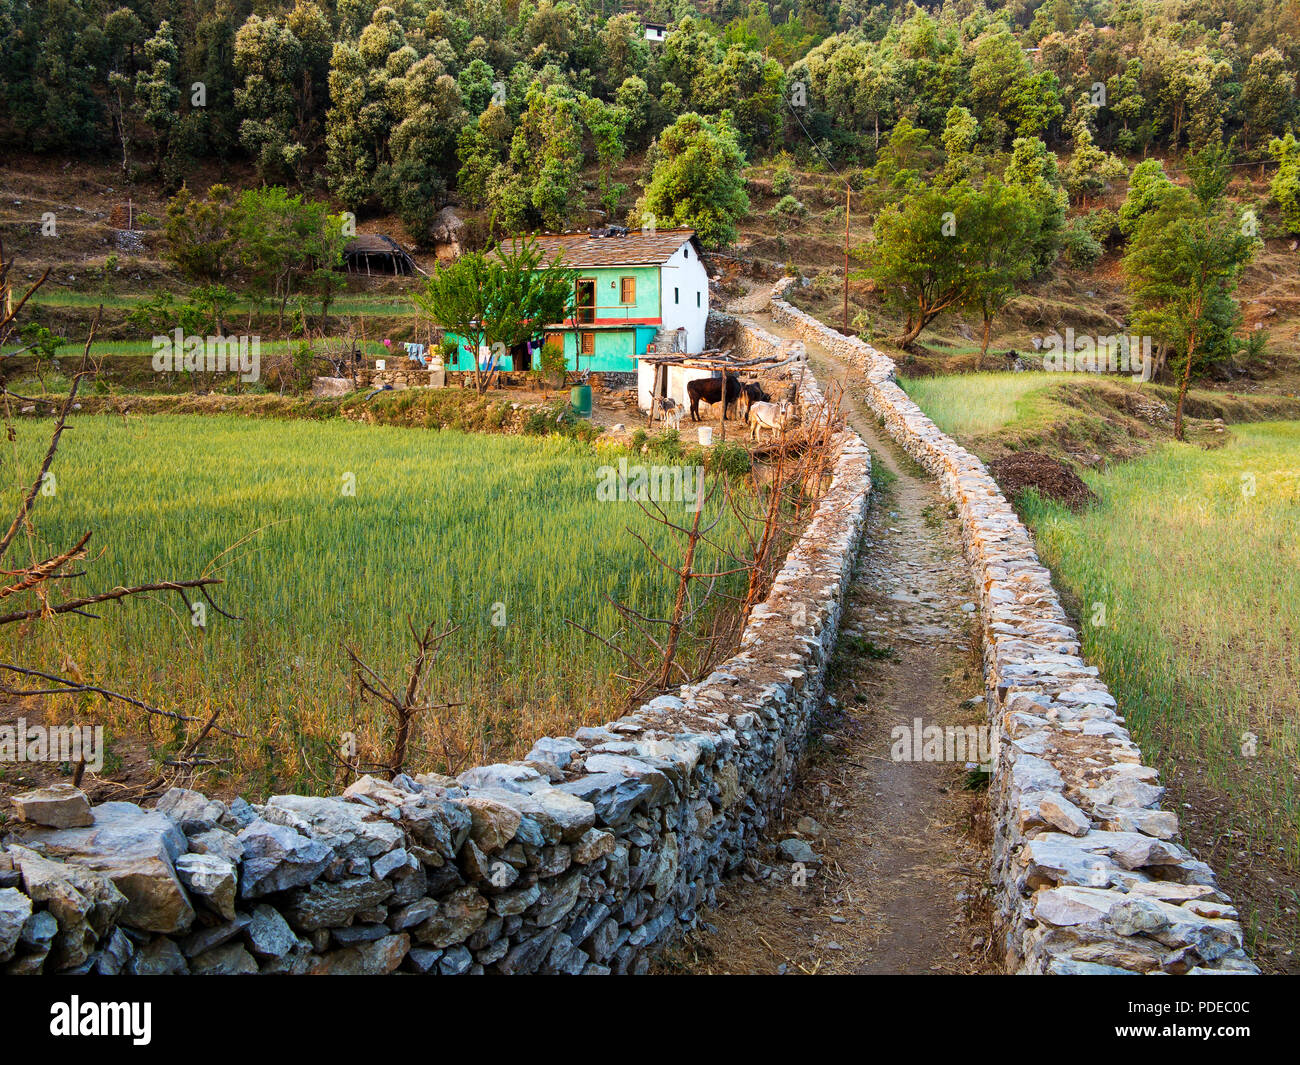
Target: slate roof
x,y
578,250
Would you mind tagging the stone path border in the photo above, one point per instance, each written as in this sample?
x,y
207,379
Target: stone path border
x,y
1088,876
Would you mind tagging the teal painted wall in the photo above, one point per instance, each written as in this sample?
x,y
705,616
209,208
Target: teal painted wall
x,y
616,349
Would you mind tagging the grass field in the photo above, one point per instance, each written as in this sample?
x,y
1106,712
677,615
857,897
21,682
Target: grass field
x,y
386,306
444,527
1194,556
970,404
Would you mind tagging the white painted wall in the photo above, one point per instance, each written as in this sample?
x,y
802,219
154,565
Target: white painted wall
x,y
677,378
686,274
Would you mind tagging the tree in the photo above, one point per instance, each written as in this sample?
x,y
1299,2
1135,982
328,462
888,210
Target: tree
x,y
1182,268
1147,186
918,259
1285,187
498,300
696,181
201,234
998,227
282,239
1033,168
1266,95
157,95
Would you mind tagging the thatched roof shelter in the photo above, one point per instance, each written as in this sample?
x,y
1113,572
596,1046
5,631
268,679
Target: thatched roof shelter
x,y
375,253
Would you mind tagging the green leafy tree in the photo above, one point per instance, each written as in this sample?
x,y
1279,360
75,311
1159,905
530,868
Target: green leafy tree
x,y
918,259
998,228
157,94
1285,187
1033,168
498,300
696,180
1182,268
201,234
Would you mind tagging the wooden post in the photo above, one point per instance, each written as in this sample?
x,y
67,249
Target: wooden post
x,y
848,192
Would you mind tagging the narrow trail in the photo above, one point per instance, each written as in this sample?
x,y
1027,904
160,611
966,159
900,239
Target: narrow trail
x,y
903,846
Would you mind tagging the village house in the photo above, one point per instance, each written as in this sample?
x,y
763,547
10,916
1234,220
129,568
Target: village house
x,y
634,292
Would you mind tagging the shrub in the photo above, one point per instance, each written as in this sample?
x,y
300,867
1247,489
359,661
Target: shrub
x,y
783,181
1078,246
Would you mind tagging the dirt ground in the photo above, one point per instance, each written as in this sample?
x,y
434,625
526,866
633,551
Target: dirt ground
x,y
902,883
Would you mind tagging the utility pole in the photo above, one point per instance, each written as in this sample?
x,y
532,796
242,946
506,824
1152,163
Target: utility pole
x,y
848,192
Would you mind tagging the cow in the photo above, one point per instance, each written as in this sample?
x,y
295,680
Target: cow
x,y
774,416
709,389
752,392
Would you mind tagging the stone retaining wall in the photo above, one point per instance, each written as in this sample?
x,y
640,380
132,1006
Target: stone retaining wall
x,y
587,856
1088,875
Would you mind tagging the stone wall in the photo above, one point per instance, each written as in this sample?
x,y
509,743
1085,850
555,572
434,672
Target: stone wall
x,y
587,856
1088,875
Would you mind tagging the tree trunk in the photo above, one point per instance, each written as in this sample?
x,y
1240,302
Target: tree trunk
x,y
984,347
1182,389
914,327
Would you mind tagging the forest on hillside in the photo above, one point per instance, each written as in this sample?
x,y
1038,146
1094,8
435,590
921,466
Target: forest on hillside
x,y
403,106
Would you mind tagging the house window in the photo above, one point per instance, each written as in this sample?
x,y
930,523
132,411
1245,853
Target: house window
x,y
627,290
686,253
697,299
677,295
587,343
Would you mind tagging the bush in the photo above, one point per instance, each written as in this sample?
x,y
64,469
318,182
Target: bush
x,y
1103,224
730,458
788,209
783,181
1078,246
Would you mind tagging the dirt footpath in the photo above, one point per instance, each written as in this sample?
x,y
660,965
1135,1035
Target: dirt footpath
x,y
897,878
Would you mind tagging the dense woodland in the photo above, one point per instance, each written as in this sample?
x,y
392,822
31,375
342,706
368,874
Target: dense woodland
x,y
397,106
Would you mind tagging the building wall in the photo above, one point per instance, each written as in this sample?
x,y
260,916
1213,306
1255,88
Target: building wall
x,y
685,302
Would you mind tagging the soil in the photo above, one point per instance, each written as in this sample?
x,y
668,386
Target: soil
x,y
1051,479
903,882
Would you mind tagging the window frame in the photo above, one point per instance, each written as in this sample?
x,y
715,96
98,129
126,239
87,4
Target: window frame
x,y
623,283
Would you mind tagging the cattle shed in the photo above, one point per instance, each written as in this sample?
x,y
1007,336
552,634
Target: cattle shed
x,y
376,253
668,374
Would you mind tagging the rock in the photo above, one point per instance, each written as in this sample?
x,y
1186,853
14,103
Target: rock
x,y
212,879
192,810
1061,813
797,850
504,776
159,957
325,905
563,817
76,896
493,823
455,961
40,930
205,939
416,913
277,858
218,842
558,751
1068,906
387,864
378,791
511,903
114,955
269,934
379,958
557,898
459,915
347,828
613,795
439,826
528,954
592,845
134,848
57,806
15,911
230,960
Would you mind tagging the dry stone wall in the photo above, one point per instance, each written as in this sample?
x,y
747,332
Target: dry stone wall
x,y
587,856
1087,870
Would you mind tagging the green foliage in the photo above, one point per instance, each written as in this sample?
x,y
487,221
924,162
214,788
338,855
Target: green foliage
x,y
498,300
1147,185
1079,247
1184,260
696,181
1285,187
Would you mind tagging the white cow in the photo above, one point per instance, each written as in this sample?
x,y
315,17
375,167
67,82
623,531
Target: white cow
x,y
774,416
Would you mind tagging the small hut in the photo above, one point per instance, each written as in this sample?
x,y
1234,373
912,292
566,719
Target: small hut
x,y
446,234
375,253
